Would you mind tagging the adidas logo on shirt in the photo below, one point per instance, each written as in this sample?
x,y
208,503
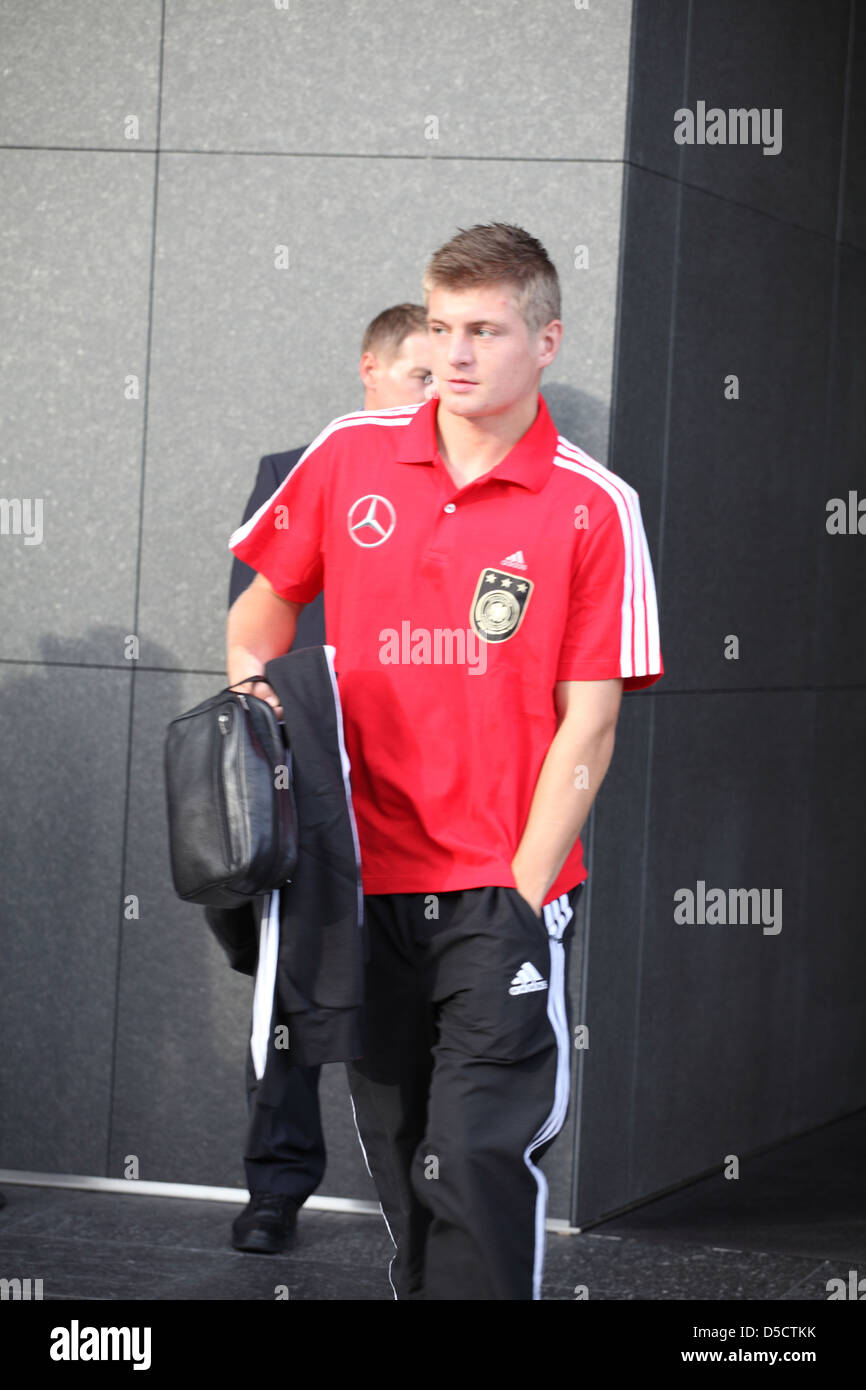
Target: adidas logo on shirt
x,y
516,560
526,980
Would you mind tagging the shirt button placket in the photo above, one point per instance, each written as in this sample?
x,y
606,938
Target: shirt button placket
x,y
443,543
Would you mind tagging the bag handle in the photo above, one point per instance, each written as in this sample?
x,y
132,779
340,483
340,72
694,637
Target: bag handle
x,y
242,698
248,680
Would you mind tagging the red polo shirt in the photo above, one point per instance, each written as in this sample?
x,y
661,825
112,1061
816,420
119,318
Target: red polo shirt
x,y
454,612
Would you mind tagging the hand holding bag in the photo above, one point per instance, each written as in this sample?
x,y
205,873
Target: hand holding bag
x,y
231,810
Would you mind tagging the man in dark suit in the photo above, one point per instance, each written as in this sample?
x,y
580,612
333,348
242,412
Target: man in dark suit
x,y
285,1148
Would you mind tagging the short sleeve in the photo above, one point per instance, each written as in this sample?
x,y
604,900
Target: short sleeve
x,y
284,539
612,625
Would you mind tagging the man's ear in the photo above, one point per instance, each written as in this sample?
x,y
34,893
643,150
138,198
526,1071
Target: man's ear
x,y
367,369
549,340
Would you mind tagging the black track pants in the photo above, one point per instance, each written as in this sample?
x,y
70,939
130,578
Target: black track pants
x,y
463,1083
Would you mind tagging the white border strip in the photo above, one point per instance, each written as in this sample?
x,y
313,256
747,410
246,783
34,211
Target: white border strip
x,y
194,1191
562,1083
199,1193
381,1208
264,994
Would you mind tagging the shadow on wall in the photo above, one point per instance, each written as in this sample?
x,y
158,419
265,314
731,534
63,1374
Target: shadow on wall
x,y
184,1013
65,724
583,419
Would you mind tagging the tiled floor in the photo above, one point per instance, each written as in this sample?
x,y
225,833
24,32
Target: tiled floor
x,y
798,1221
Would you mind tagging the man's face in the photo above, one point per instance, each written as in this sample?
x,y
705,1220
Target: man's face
x,y
484,358
402,380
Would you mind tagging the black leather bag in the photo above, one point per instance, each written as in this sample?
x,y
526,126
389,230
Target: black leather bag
x,y
231,811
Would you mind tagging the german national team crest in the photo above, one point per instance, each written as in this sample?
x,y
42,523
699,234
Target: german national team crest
x,y
499,604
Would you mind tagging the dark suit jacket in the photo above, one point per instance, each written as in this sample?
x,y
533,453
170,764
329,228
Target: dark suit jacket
x,y
236,928
273,470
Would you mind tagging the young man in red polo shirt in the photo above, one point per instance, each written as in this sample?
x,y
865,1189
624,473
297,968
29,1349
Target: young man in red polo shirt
x,y
489,593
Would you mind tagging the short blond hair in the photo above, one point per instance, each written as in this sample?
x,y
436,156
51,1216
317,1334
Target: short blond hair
x,y
494,253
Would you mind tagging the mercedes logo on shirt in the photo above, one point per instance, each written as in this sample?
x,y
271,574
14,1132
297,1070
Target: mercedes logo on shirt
x,y
371,520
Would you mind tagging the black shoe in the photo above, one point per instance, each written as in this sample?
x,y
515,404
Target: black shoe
x,y
266,1225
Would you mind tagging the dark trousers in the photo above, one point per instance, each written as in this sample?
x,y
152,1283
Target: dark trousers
x,y
285,1147
463,1084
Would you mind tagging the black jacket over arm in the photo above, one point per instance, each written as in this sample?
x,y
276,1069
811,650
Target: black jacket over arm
x,y
320,964
318,990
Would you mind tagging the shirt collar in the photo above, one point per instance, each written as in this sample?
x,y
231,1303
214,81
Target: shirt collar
x,y
529,462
